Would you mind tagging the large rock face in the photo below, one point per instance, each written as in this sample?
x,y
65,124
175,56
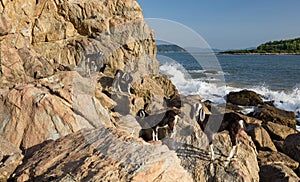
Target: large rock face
x,y
41,37
102,155
58,67
44,42
36,114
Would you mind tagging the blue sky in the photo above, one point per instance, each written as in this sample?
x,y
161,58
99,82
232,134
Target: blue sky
x,y
228,24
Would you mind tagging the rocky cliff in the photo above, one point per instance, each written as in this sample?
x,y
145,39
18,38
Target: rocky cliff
x,y
44,37
58,66
74,76
45,44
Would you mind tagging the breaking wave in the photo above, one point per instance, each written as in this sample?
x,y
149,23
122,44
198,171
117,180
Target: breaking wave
x,y
209,90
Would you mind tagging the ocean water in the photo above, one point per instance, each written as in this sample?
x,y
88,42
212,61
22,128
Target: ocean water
x,y
275,77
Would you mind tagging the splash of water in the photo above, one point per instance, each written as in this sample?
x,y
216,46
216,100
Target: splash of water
x,y
208,90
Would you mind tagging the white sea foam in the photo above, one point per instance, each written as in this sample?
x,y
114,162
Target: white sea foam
x,y
209,72
208,90
287,100
188,86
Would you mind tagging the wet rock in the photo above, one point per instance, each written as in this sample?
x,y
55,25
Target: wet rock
x,y
103,154
274,158
244,98
277,172
220,109
268,113
248,120
214,72
10,158
261,138
232,107
277,131
291,146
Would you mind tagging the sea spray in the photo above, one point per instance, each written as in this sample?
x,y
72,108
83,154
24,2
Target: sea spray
x,y
188,86
208,90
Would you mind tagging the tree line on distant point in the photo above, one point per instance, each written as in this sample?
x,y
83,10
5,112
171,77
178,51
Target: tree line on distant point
x,y
291,46
165,48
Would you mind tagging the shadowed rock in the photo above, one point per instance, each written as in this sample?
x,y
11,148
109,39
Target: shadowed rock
x,y
292,146
244,98
243,167
269,158
195,156
103,154
268,113
279,132
277,172
261,138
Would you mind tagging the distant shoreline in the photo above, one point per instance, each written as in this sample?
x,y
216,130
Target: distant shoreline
x,y
281,47
220,53
262,54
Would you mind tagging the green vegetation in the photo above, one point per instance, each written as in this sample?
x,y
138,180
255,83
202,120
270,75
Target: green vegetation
x,y
275,47
169,48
